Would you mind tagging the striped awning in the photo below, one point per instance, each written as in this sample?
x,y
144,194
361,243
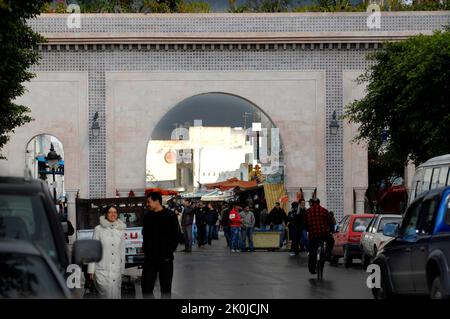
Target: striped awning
x,y
275,193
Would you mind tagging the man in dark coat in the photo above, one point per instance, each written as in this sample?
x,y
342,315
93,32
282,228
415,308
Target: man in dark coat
x,y
200,221
225,223
187,220
161,232
293,229
211,217
277,217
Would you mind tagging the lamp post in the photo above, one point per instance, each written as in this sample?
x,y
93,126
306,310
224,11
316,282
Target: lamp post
x,y
53,159
334,124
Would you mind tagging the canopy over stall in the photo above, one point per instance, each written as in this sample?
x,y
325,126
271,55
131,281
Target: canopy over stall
x,y
163,192
218,196
232,183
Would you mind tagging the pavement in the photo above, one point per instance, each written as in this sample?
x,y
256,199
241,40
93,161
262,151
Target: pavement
x,y
213,272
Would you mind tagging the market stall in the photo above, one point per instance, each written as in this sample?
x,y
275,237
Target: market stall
x,y
218,196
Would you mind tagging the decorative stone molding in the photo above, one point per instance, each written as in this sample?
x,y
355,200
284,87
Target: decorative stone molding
x,y
55,46
224,40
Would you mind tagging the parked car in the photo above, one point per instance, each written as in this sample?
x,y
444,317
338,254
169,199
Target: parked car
x,y
27,272
347,239
373,237
417,260
32,237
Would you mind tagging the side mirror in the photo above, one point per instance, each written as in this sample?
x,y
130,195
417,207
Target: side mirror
x,y
86,251
391,229
65,227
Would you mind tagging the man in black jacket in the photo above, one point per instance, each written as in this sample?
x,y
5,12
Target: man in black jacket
x,y
293,229
200,221
161,233
187,219
211,217
225,223
277,217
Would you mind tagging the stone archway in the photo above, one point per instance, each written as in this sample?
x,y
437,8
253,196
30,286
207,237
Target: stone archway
x,y
295,101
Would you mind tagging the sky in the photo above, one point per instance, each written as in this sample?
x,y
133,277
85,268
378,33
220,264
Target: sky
x,y
214,109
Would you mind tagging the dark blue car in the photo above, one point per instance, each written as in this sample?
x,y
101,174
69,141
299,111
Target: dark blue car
x,y
417,260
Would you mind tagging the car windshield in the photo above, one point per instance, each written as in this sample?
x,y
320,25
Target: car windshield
x,y
388,220
360,224
25,276
24,217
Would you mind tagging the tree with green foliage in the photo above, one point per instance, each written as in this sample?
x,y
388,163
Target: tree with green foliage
x,y
267,5
18,51
405,113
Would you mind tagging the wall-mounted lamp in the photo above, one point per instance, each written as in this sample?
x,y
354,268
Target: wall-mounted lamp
x,y
334,124
95,126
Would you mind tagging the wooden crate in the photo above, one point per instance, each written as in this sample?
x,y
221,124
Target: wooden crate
x,y
266,240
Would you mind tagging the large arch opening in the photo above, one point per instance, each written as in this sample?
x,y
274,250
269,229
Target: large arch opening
x,y
210,138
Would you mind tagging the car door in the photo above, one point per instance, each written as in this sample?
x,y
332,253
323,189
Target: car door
x,y
338,237
367,237
399,251
420,247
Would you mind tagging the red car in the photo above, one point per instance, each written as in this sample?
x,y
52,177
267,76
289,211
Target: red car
x,y
348,237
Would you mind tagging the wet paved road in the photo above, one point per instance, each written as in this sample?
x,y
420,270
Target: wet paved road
x,y
213,272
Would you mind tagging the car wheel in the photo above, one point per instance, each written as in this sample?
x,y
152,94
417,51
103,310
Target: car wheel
x,y
437,292
347,258
384,291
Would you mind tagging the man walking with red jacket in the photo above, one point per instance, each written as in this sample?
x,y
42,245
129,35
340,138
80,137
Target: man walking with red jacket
x,y
235,224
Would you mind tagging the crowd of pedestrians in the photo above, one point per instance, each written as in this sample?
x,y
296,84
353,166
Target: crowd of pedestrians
x,y
198,223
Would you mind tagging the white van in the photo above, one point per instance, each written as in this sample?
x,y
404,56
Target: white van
x,y
432,174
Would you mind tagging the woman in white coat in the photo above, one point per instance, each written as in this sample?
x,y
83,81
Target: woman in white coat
x,y
107,273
